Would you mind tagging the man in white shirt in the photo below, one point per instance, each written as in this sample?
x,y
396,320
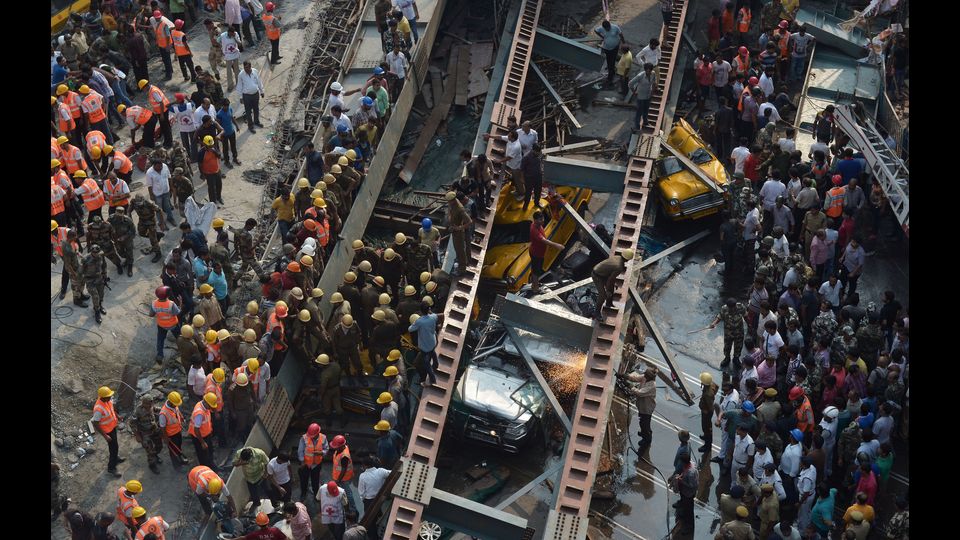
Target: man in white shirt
x,y
527,137
183,115
370,482
739,155
230,44
196,379
774,113
333,98
821,146
649,54
760,459
771,189
341,120
278,472
721,76
250,88
771,476
830,291
789,143
511,160
806,488
883,426
782,218
766,84
771,340
790,463
729,400
398,64
743,451
851,266
158,186
206,108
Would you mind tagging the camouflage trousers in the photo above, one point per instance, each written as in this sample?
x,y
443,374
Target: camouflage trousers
x,y
125,250
250,263
110,252
153,444
149,230
96,294
76,280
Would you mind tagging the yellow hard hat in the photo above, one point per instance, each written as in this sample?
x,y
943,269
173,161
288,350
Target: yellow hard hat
x,y
349,277
210,398
306,260
414,317
217,223
389,254
320,185
80,174
343,161
104,391
223,334
391,371
141,83
450,195
424,277
336,298
121,108
249,335
252,307
409,290
383,425
384,298
329,178
351,155
706,378
320,203
379,281
304,315
317,292
95,152
219,375
133,486
62,139
428,300
107,149
253,365
62,89
323,359
241,379
138,512
430,286
358,244
347,320
365,266
53,100
627,254
379,315
400,239
175,398
316,193
335,169
208,140
198,321
210,336
54,163
215,486
206,288
84,89
302,183
281,304
393,355
53,225
186,331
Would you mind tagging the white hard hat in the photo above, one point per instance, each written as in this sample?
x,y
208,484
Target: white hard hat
x,y
336,86
831,412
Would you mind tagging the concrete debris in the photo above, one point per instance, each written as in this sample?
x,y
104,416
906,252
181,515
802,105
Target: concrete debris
x,y
58,442
81,452
72,458
74,385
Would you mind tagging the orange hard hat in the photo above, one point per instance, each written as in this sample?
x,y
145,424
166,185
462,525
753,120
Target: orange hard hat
x,y
294,267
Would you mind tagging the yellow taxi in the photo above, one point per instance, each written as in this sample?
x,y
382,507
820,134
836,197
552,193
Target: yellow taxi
x,y
506,266
682,194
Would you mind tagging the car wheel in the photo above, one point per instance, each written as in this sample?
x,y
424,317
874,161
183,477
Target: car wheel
x,y
430,531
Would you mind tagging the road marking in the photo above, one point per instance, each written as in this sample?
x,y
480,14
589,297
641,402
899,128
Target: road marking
x,y
625,530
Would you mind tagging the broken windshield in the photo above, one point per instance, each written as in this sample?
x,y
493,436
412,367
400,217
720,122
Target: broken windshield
x,y
700,156
530,396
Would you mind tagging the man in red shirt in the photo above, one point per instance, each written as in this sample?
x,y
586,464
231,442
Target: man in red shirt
x,y
846,229
538,248
209,160
265,531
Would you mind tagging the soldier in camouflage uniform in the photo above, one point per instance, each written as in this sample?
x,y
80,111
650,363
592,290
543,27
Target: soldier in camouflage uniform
x,y
180,159
244,241
146,429
825,324
100,233
737,209
124,231
763,272
764,258
219,253
71,265
870,340
94,270
850,439
844,342
181,188
147,213
418,261
768,435
746,195
732,314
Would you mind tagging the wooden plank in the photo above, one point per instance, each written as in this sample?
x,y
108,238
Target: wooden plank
x,y
438,114
481,56
571,147
462,80
436,84
479,86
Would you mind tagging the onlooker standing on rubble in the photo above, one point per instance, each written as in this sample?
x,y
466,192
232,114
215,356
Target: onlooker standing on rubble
x,y
643,85
612,37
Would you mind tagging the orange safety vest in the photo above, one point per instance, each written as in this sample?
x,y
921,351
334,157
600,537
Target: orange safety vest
x,y
72,101
743,93
121,162
784,43
124,503
72,159
158,100
57,240
67,123
210,163
95,138
179,44
54,148
273,322
273,30
165,316
115,190
745,17
93,106
212,386
323,233
339,473
214,349
57,196
201,475
801,414
313,451
174,420
206,427
162,33
93,197
153,525
139,115
62,180
741,64
839,195
108,417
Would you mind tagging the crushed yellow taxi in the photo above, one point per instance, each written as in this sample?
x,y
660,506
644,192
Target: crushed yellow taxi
x,y
682,194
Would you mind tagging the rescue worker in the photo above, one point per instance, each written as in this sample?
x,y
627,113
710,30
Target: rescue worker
x,y
835,198
163,39
313,446
605,275
147,528
61,193
409,305
184,113
342,472
458,222
391,268
182,49
201,428
100,233
147,431
251,321
346,340
69,251
388,312
646,396
105,420
363,252
384,337
272,25
803,412
329,388
147,212
166,312
66,122
275,323
140,117
170,421
208,158
127,502
244,240
91,193
389,443
116,191
249,349
94,143
351,293
241,403
94,269
93,107
214,385
207,485
737,529
708,394
418,261
160,106
119,163
189,346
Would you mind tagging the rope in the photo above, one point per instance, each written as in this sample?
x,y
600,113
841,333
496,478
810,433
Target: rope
x,y
60,313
